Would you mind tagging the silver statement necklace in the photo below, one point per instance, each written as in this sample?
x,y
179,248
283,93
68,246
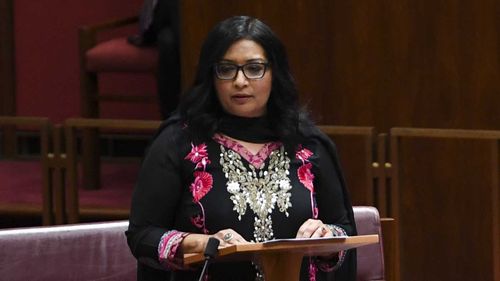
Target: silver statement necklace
x,y
259,189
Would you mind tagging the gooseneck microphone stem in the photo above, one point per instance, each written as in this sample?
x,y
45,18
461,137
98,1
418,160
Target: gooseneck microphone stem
x,y
205,265
210,252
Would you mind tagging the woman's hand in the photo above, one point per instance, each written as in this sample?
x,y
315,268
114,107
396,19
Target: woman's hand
x,y
313,228
196,243
229,237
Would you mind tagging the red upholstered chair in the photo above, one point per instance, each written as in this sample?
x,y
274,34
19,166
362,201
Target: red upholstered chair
x,y
27,180
370,258
112,56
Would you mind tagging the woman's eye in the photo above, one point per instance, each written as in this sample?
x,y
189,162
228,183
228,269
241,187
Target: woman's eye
x,y
254,67
225,68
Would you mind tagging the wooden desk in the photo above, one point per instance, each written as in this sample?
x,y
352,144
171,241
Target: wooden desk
x,y
281,259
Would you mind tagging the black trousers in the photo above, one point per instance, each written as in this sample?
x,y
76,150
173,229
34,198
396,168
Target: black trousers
x,y
168,75
163,32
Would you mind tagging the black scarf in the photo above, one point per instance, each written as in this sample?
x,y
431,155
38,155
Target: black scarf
x,y
255,130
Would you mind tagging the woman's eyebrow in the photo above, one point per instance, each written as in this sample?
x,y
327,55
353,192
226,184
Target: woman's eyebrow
x,y
257,60
247,61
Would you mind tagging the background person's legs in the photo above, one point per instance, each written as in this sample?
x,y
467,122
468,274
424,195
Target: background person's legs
x,y
168,71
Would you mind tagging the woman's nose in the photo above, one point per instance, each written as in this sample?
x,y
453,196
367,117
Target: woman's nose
x,y
241,79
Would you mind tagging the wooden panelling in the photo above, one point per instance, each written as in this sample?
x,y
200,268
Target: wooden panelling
x,y
377,63
355,146
446,202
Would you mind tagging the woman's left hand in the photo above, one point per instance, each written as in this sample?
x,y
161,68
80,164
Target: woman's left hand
x,y
313,228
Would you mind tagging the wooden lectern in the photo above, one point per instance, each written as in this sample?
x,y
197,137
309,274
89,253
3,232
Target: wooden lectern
x,y
281,259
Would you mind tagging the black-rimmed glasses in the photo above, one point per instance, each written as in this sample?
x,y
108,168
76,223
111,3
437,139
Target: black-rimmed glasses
x,y
229,71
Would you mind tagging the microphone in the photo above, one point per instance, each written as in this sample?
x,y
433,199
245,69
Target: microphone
x,y
210,252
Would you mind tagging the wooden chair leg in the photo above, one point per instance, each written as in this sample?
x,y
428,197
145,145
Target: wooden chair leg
x,y
47,187
390,244
71,206
90,139
58,176
91,166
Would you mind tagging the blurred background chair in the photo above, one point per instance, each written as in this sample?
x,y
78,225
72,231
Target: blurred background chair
x,y
118,171
371,266
81,252
28,172
111,56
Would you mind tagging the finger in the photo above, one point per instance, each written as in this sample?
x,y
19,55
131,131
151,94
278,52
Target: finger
x,y
302,232
322,231
220,236
237,238
327,232
319,232
229,237
307,228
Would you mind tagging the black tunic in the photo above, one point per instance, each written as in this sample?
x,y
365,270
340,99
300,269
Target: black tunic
x,y
163,200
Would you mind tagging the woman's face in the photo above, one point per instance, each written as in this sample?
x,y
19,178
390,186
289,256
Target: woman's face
x,y
242,96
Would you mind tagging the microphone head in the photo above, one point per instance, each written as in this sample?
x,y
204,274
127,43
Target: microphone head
x,y
211,248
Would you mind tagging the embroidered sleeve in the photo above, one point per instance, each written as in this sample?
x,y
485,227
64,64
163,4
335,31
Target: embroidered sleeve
x,y
167,249
331,264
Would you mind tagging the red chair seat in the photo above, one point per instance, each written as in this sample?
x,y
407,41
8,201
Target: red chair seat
x,y
117,55
118,181
20,183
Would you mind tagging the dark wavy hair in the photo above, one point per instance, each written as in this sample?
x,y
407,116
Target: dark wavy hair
x,y
200,107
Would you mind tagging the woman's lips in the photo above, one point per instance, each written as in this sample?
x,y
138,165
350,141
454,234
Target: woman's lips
x,y
241,98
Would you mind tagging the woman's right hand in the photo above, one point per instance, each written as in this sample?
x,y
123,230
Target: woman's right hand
x,y
196,243
228,237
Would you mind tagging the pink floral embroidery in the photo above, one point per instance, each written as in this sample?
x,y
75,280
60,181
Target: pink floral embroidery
x,y
303,155
202,183
306,177
201,186
256,160
198,221
203,163
197,153
312,270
